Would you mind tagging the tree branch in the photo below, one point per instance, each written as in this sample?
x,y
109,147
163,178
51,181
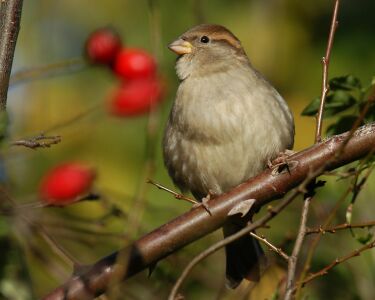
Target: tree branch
x,y
197,223
270,246
292,261
10,17
325,61
334,229
337,261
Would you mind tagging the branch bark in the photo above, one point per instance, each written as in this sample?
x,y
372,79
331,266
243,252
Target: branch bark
x,y
197,223
10,17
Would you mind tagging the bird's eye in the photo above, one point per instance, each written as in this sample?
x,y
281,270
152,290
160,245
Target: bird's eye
x,y
205,39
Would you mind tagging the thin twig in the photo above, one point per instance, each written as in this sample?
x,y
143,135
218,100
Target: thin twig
x,y
48,71
175,194
337,261
180,196
292,262
39,141
54,245
325,62
334,229
215,247
10,17
326,223
293,259
270,246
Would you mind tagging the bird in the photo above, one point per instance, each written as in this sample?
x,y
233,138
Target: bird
x,y
226,123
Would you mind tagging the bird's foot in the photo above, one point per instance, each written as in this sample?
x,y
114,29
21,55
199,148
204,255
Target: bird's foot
x,y
282,162
205,201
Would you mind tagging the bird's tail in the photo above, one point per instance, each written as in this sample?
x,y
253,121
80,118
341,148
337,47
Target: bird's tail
x,y
244,257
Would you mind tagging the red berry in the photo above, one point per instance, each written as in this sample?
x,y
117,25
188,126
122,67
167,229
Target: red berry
x,y
102,46
136,97
134,64
65,183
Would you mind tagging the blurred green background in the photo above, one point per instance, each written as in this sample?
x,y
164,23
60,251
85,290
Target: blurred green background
x,y
285,40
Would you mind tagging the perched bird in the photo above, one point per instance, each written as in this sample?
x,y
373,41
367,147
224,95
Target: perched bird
x,y
226,123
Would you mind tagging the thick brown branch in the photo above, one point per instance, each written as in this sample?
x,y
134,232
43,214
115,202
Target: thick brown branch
x,y
10,17
196,223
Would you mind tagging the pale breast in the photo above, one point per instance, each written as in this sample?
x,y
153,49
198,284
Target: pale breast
x,y
219,134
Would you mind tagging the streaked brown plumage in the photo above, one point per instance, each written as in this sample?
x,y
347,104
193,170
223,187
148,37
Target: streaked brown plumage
x,y
227,121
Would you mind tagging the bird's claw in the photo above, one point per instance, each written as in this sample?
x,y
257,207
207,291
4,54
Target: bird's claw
x,y
282,163
204,202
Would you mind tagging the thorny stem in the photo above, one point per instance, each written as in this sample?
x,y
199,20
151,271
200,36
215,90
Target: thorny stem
x,y
270,246
292,262
334,229
175,194
327,222
293,259
325,62
337,261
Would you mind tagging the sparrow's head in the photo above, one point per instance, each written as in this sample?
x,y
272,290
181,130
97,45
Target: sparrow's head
x,y
206,48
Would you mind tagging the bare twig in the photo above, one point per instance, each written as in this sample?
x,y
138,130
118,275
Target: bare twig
x,y
334,229
39,141
325,62
270,246
10,17
175,194
328,221
196,223
337,261
292,262
48,71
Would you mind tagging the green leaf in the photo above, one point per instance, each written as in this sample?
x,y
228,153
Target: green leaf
x,y
336,102
364,239
346,83
345,123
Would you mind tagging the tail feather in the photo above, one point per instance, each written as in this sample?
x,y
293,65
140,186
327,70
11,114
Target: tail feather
x,y
244,257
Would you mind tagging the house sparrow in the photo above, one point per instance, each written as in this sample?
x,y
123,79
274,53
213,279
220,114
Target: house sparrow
x,y
226,123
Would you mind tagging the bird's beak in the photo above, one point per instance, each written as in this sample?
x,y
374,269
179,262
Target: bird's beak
x,y
180,47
